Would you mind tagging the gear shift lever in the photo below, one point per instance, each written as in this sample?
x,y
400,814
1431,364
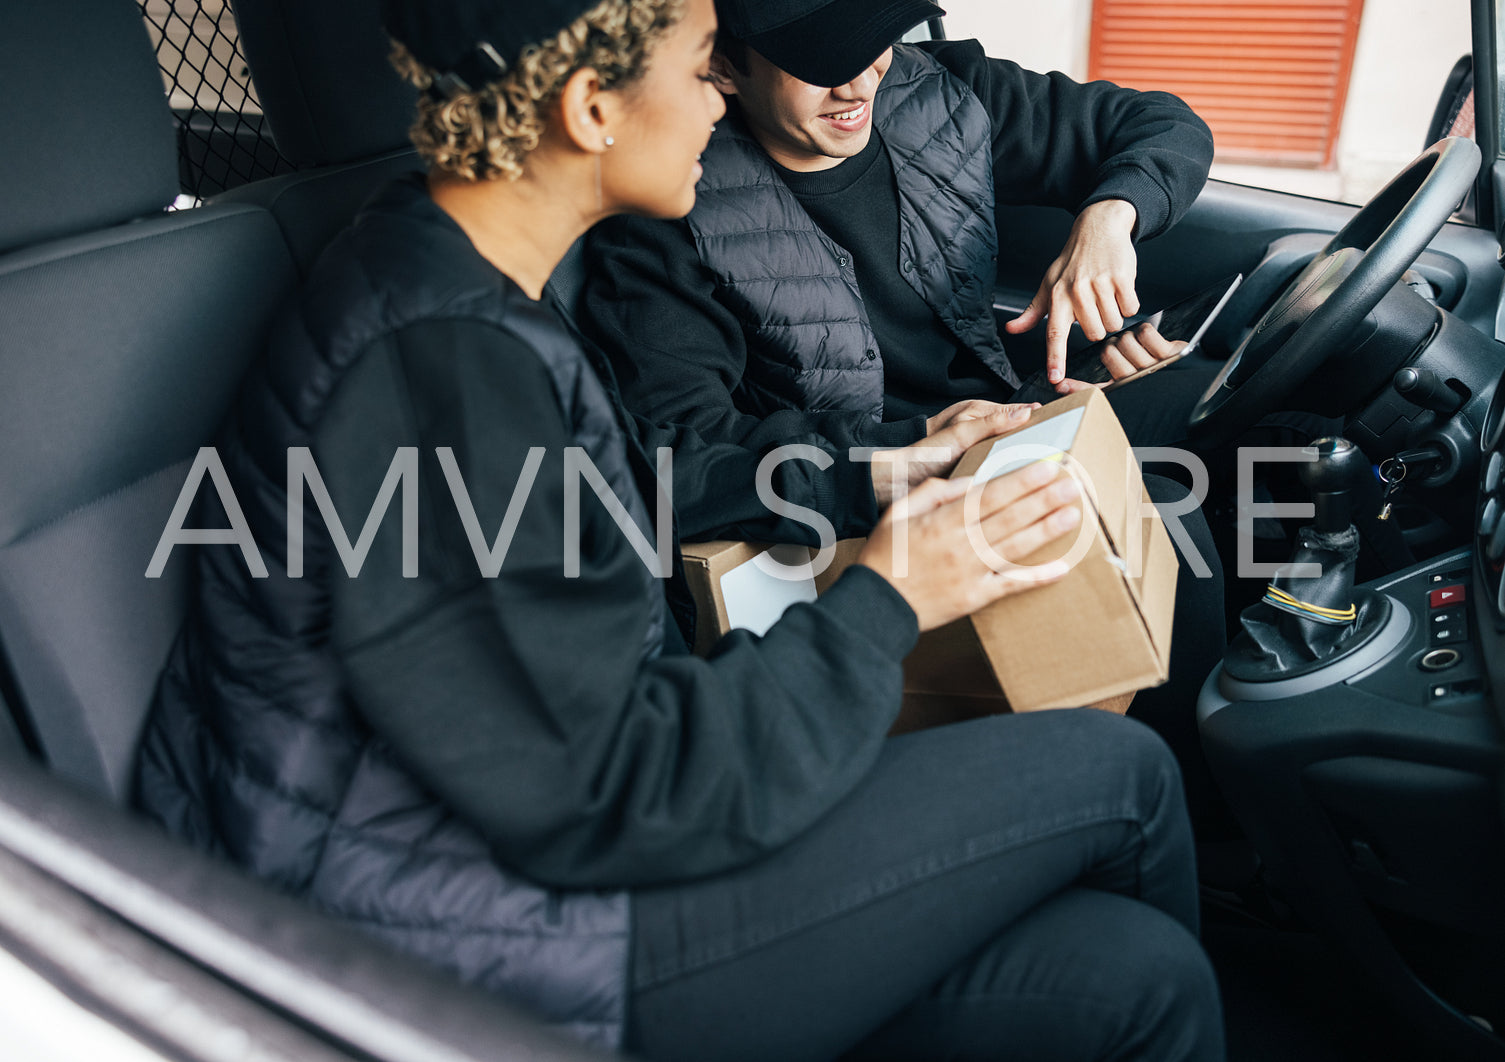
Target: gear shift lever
x,y
1334,479
1309,620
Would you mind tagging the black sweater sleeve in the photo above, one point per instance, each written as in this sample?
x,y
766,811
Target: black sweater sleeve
x,y
716,489
1058,142
524,700
680,355
716,482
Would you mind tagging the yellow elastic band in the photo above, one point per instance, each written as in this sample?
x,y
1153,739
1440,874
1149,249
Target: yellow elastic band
x,y
1276,596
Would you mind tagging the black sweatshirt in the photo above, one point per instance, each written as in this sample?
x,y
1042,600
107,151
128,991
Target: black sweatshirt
x,y
680,354
857,205
523,701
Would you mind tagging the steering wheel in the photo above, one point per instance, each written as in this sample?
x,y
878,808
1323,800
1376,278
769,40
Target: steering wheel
x,y
1325,302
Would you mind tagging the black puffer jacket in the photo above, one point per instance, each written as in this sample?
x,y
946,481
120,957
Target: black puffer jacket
x,y
796,290
475,766
255,746
730,323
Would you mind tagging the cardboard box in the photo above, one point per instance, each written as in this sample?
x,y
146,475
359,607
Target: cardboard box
x,y
733,589
947,678
1095,637
1104,630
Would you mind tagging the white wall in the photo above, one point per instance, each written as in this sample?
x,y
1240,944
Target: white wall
x,y
1404,53
1037,34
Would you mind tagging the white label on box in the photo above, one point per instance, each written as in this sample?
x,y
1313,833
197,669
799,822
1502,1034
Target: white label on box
x,y
1045,441
756,599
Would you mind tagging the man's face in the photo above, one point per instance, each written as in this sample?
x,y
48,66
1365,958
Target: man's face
x,y
803,127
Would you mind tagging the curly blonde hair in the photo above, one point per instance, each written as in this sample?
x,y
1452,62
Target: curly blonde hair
x,y
485,134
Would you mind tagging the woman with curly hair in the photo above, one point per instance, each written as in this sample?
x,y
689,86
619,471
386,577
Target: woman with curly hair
x,y
491,749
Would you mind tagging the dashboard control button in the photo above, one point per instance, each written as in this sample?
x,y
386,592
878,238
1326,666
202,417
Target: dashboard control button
x,y
1493,471
1489,517
1448,617
1440,659
1453,632
1462,688
1496,548
1447,595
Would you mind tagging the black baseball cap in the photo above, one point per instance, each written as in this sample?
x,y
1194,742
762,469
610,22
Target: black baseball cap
x,y
822,42
473,42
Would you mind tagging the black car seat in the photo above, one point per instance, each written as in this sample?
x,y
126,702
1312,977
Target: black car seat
x,y
336,108
340,113
126,332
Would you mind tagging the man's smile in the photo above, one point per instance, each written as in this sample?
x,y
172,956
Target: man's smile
x,y
851,118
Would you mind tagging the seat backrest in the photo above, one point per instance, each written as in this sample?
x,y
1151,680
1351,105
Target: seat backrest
x,y
127,331
336,109
340,113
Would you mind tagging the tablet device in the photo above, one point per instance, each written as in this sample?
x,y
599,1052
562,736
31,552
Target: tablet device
x,y
1187,320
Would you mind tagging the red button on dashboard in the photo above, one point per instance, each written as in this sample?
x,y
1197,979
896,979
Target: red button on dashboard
x,y
1448,595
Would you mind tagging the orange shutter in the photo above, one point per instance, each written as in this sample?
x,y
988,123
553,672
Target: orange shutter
x,y
1269,77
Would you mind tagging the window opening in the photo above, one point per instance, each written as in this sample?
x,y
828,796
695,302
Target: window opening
x,y
223,140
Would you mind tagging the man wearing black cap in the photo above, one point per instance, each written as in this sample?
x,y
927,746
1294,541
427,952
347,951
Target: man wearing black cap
x,y
834,282
836,276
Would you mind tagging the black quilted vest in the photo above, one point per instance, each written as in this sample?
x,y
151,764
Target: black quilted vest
x,y
253,748
810,345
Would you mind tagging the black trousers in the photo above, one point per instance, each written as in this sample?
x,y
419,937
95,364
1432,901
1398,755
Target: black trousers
x,y
1154,411
1015,887
1198,640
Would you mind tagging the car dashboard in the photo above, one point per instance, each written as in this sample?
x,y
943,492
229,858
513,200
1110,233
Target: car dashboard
x,y
1371,787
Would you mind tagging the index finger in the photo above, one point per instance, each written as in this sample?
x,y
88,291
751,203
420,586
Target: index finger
x,y
1057,329
963,434
1001,492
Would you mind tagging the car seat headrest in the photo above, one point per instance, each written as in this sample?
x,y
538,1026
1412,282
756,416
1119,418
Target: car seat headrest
x,y
323,79
87,134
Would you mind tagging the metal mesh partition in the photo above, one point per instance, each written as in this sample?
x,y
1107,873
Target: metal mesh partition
x,y
222,138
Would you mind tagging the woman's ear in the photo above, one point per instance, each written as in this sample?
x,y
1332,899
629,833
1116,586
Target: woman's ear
x,y
722,74
586,112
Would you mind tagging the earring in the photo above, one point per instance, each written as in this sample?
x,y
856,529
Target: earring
x,y
600,202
